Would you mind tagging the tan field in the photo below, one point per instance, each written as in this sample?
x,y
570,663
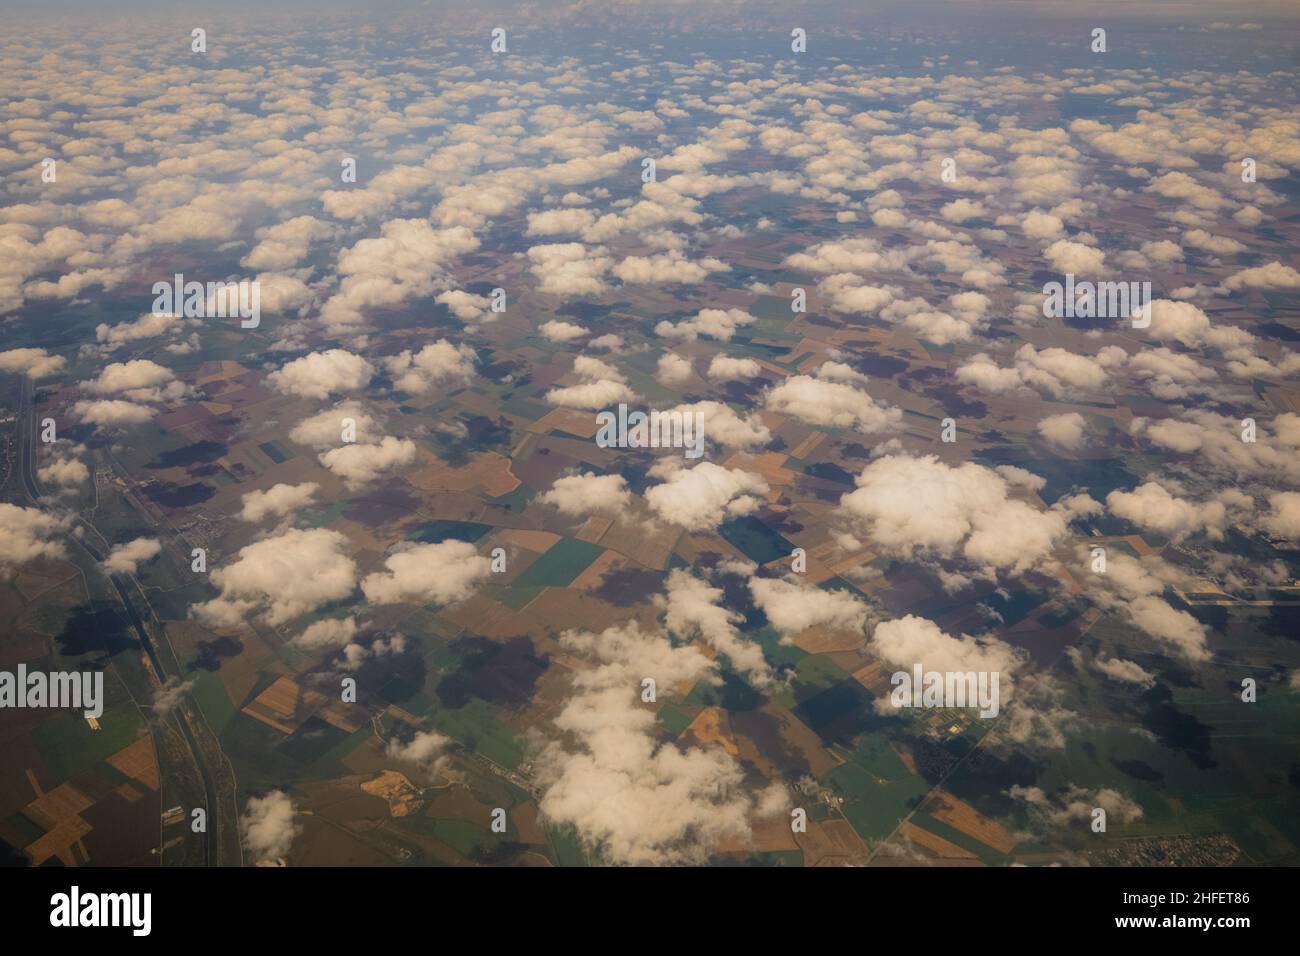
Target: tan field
x,y
137,761
965,818
486,472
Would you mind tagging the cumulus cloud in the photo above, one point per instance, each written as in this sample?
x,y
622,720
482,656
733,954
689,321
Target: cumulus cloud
x,y
1187,324
1074,806
1173,376
557,331
582,495
1063,431
694,607
322,374
1152,506
673,370
590,396
34,363
1042,225
1052,371
962,210
440,573
1273,275
138,380
358,464
125,558
724,368
910,640
558,222
792,607
702,497
601,387
632,799
66,473
285,245
1283,516
1134,587
821,401
466,306
278,500
27,534
917,507
570,269
427,749
329,633
437,365
149,326
719,324
1216,441
112,413
725,427
325,429
1117,669
1074,257
267,828
405,261
850,294
281,577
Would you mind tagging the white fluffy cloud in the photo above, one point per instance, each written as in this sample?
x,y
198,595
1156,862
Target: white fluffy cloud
x,y
27,534
439,364
1074,807
557,331
281,577
673,370
66,473
139,380
694,607
34,363
329,633
1134,587
359,463
909,640
426,750
601,387
278,500
1283,516
322,374
325,429
703,497
792,607
725,427
1064,431
632,799
570,269
112,413
962,210
406,260
1074,257
820,401
582,495
922,507
1127,672
1052,371
1152,506
724,368
267,827
716,323
466,306
127,557
428,574
1187,324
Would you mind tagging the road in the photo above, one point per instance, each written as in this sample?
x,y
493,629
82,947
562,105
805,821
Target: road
x,y
27,429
